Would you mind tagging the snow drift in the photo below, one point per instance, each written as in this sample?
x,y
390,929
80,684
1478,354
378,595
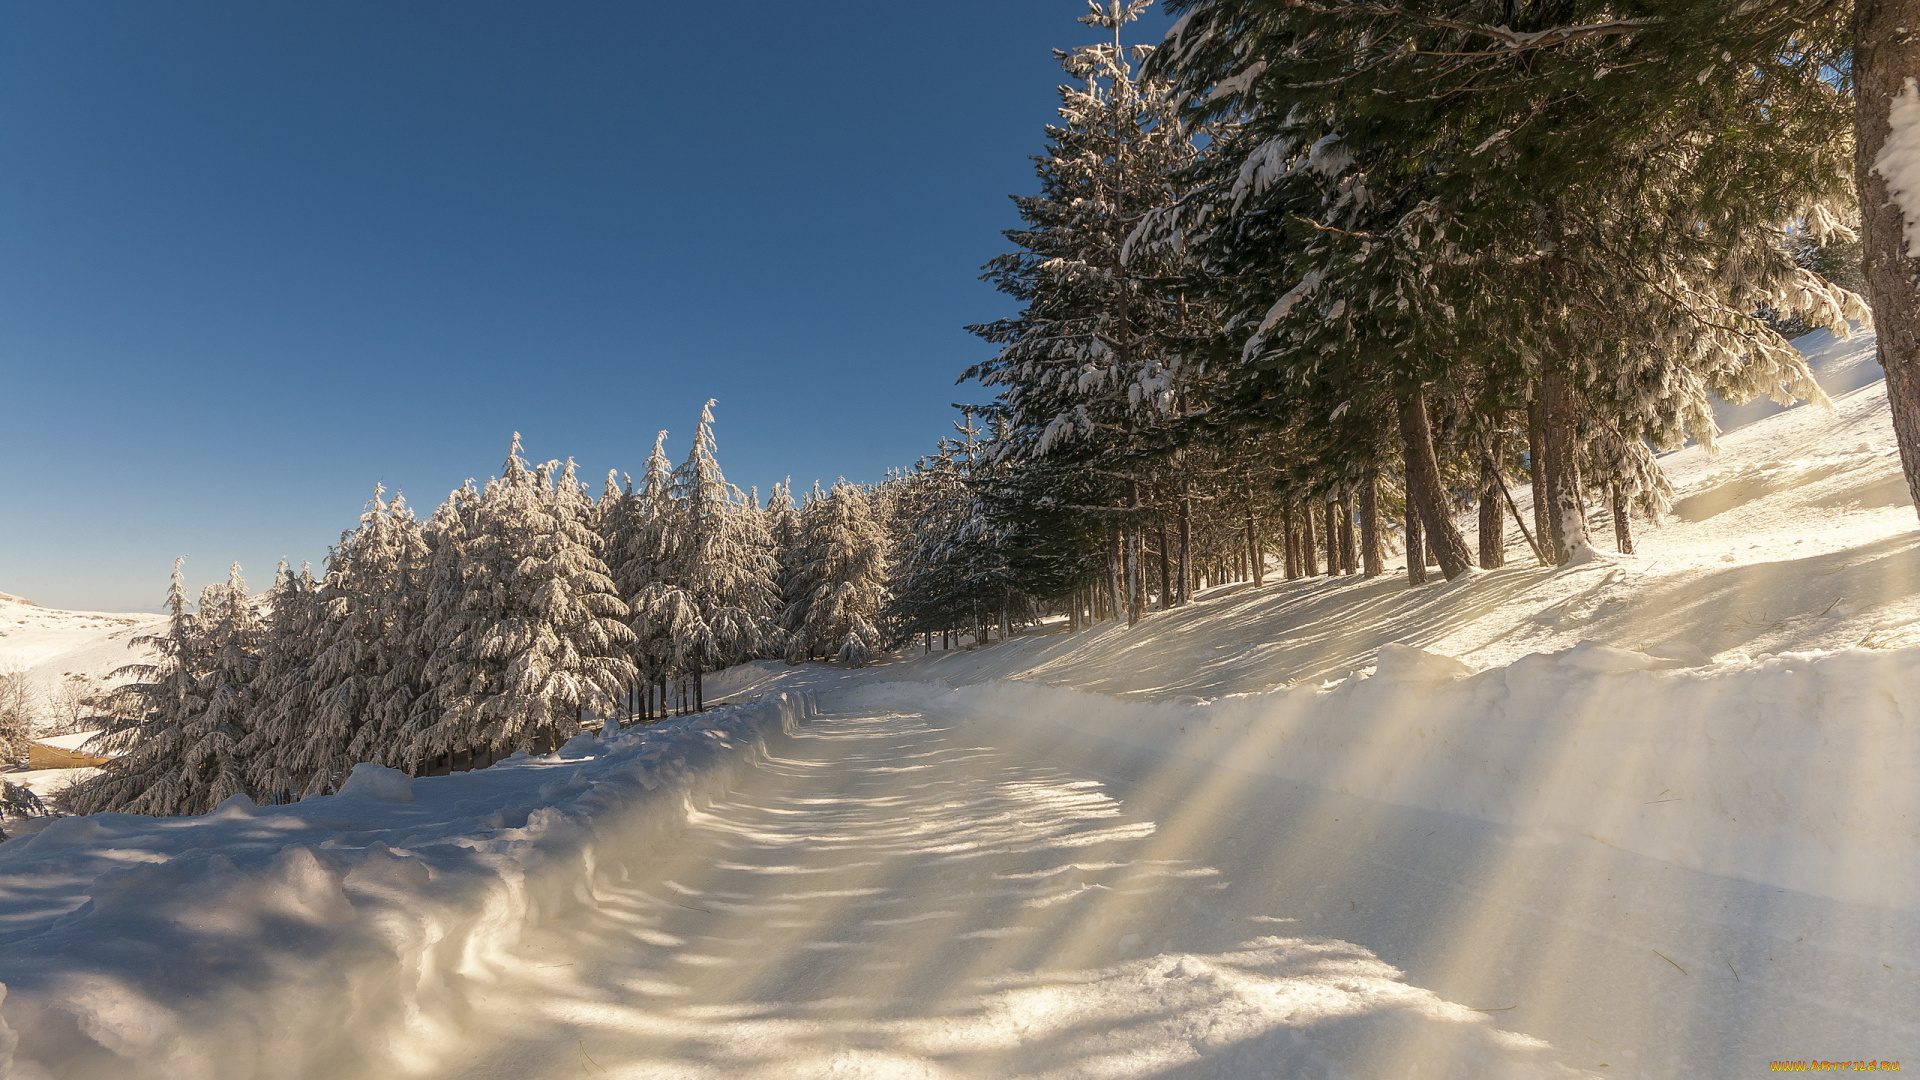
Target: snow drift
x,y
340,935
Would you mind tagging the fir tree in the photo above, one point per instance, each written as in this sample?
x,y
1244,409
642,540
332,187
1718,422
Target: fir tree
x,y
528,632
181,727
843,579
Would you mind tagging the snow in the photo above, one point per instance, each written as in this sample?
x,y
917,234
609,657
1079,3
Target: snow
x,y
1899,159
50,645
68,742
1647,816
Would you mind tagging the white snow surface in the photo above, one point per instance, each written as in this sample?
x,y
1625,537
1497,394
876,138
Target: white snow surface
x,y
1654,816
49,644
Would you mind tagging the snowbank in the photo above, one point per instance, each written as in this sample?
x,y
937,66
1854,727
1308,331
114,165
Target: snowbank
x,y
1801,771
342,935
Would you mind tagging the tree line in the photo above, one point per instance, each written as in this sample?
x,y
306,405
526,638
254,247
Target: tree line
x,y
1315,278
517,615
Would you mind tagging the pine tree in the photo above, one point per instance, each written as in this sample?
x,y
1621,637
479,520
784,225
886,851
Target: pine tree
x,y
342,667
1085,371
180,728
528,632
1582,204
842,580
725,561
296,628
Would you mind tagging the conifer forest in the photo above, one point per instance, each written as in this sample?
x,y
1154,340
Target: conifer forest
x,y
1293,290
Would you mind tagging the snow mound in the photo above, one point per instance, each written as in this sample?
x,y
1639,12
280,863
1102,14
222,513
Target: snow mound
x,y
379,783
341,935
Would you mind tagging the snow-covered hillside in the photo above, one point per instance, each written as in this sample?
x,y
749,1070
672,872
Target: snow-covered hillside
x,y
51,645
1653,816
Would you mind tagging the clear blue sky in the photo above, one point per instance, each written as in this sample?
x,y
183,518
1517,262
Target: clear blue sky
x,y
258,255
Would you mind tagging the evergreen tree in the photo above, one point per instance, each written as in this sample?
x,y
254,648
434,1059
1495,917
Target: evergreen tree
x,y
180,729
1565,204
527,629
296,629
843,576
1084,370
725,560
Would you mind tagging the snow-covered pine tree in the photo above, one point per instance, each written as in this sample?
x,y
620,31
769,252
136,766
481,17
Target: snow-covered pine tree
x,y
1084,371
664,618
295,632
528,632
726,562
1594,197
180,728
843,579
783,529
346,680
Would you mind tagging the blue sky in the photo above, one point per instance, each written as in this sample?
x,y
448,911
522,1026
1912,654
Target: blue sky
x,y
257,255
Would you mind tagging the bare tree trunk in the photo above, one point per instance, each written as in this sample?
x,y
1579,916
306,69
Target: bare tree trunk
x,y
1116,571
1166,569
1493,519
1349,547
1622,527
1373,552
1136,579
1537,473
1186,544
1416,544
1291,540
1566,513
1332,537
1309,547
1886,61
1425,488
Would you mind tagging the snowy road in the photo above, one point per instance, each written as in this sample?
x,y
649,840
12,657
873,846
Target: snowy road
x,y
892,890
890,897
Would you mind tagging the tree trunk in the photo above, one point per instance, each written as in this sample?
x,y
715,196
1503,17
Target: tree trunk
x,y
1254,557
1116,572
1416,546
1622,527
1349,547
1166,570
1373,552
1289,543
1186,545
1537,472
1136,579
1332,537
1566,514
1886,60
1425,488
1309,547
1493,517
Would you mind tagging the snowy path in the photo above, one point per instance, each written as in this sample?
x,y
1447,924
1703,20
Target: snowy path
x,y
892,897
887,897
